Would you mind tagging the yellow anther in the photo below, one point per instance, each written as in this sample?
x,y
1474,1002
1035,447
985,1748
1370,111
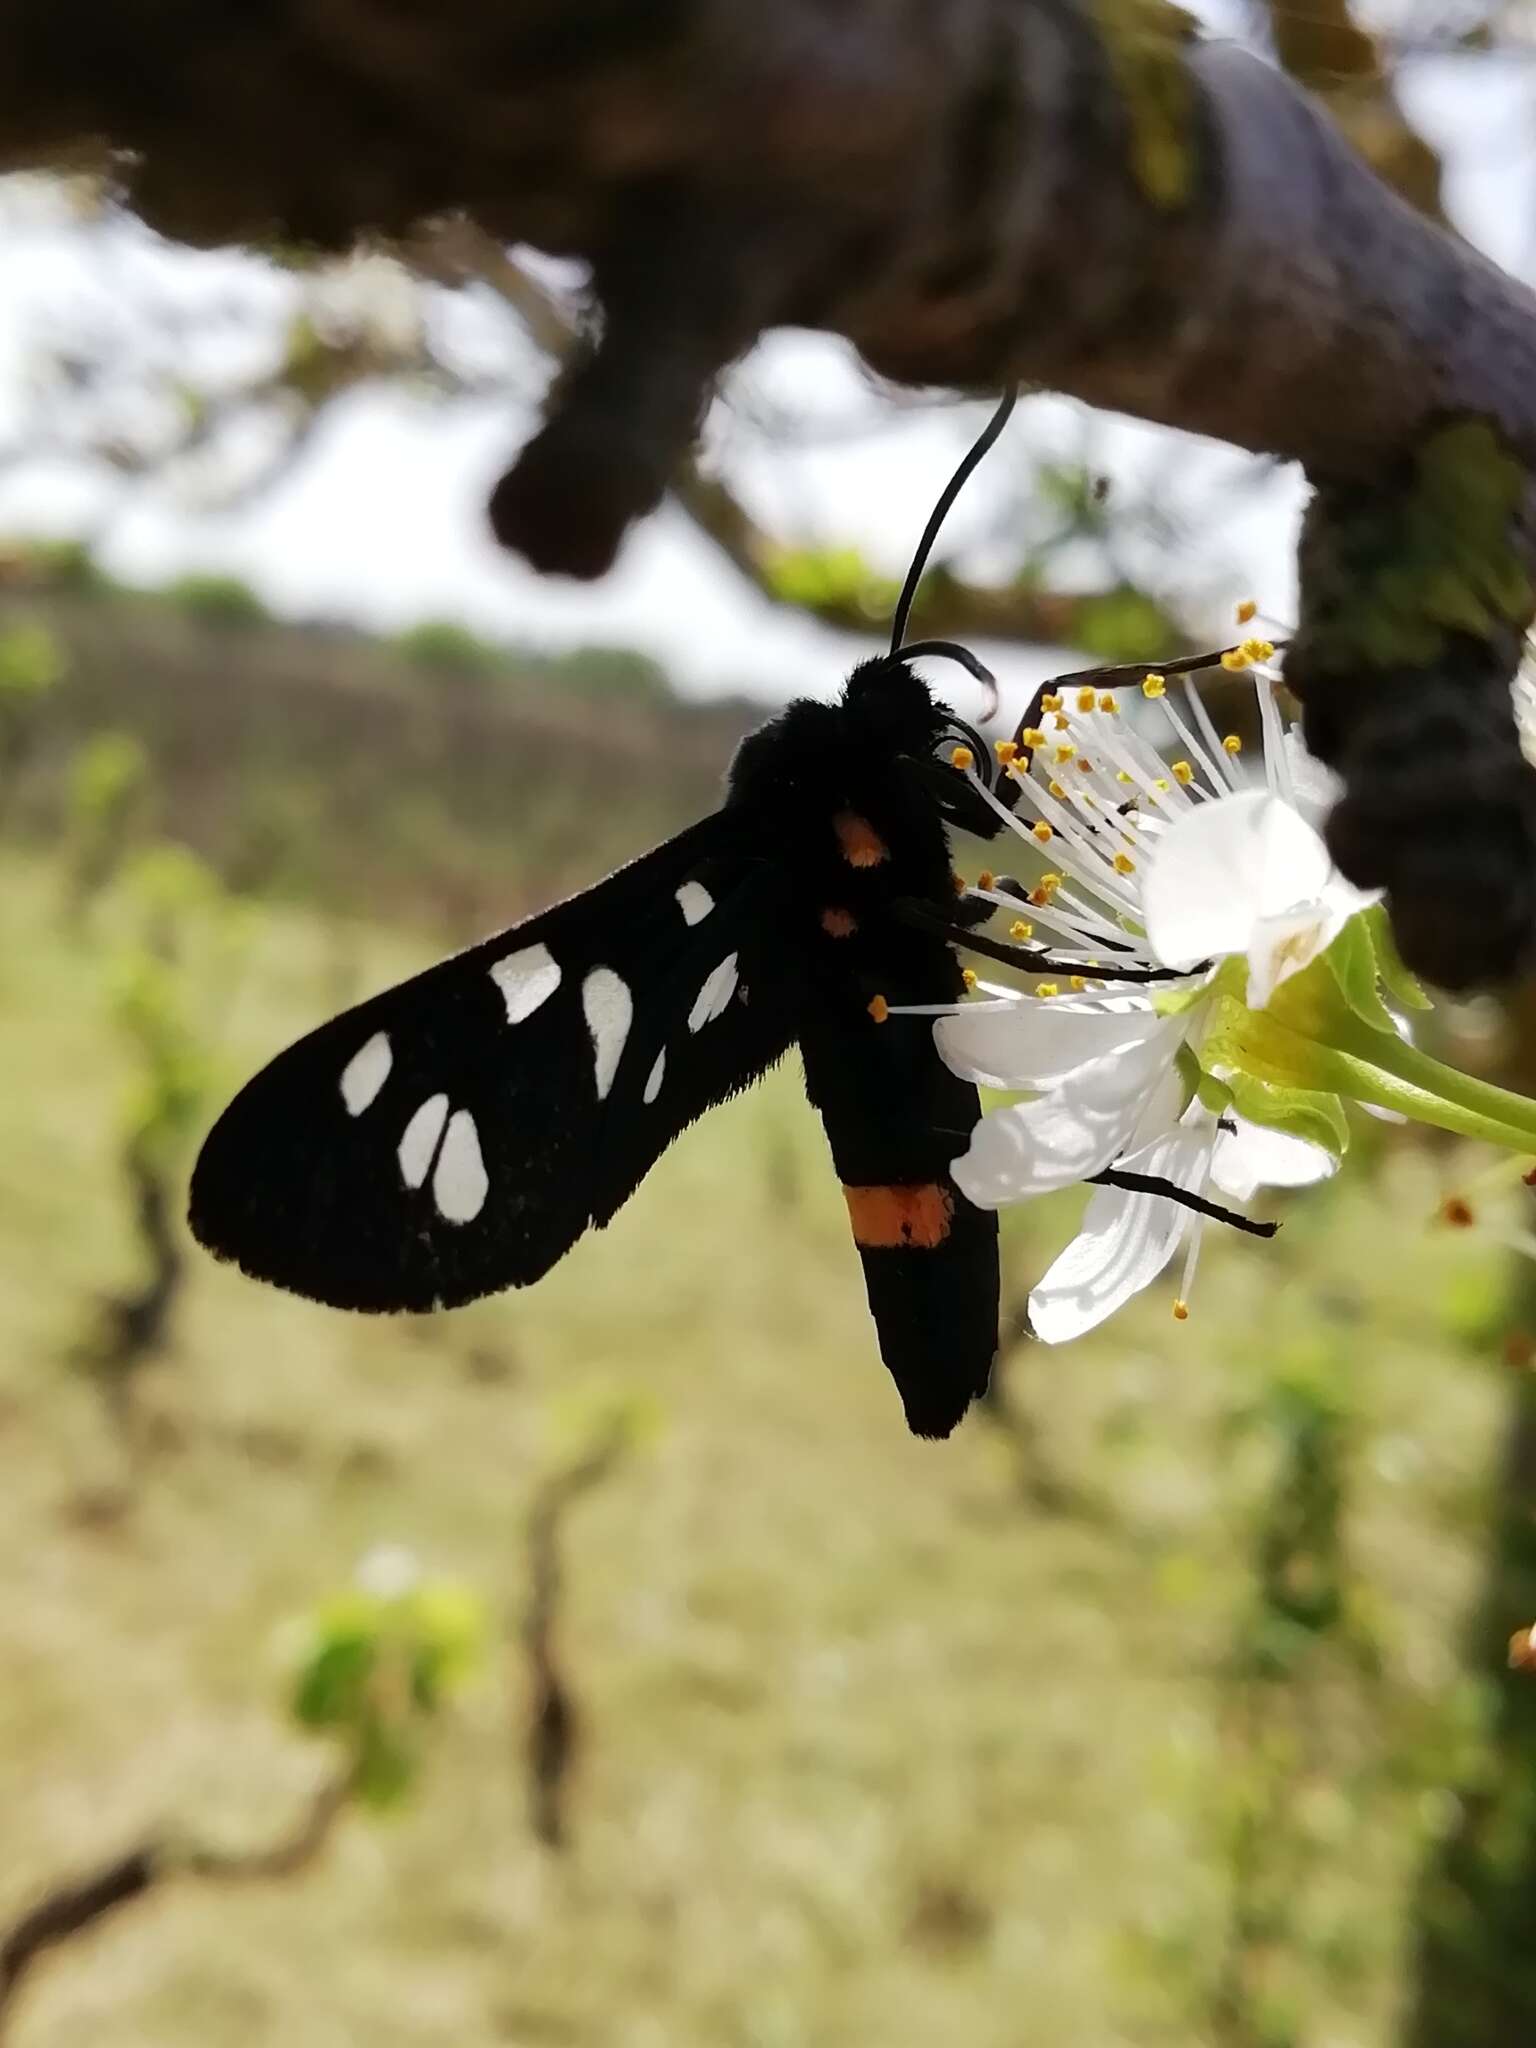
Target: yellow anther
x,y
1042,831
968,976
1232,743
1154,686
1006,751
986,879
1078,984
1161,782
1181,1311
1109,702
1087,699
1050,884
962,758
1065,752
1047,989
1033,737
1056,790
1183,773
879,1009
1123,775
1124,865
1020,930
1235,660
1061,722
1051,701
1245,611
1258,650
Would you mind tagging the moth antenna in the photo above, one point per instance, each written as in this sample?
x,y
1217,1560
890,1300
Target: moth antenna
x,y
951,650
957,483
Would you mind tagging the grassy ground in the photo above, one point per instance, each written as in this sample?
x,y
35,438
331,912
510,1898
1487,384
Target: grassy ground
x,y
877,1749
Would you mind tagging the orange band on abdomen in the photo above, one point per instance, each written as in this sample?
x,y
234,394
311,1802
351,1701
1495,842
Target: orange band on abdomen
x,y
893,1217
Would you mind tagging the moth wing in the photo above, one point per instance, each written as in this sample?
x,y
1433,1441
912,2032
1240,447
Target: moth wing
x,y
455,1135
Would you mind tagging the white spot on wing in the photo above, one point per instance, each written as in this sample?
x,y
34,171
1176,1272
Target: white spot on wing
x,y
526,980
608,1009
653,1083
695,902
712,998
460,1185
365,1073
419,1141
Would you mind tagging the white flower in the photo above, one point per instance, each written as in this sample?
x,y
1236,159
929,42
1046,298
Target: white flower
x,y
388,1572
1246,874
1525,706
1159,872
1129,1234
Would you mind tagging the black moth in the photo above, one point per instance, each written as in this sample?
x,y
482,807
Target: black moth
x,y
456,1135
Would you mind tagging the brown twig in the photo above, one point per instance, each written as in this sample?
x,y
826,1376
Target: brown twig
x,y
73,1907
553,1717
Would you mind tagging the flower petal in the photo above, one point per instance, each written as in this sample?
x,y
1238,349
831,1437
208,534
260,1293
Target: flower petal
x,y
1033,1044
1283,945
1125,1242
1073,1132
1249,1157
1221,868
1315,788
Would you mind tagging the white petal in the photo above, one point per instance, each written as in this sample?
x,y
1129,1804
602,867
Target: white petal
x,y
1221,868
1125,1242
389,1571
1525,711
1071,1133
1251,1157
1315,789
1032,1044
1283,945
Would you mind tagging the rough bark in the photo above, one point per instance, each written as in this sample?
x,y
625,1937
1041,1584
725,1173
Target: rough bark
x,y
973,192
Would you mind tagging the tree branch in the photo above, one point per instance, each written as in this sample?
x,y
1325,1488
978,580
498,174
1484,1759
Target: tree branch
x,y
75,1906
973,192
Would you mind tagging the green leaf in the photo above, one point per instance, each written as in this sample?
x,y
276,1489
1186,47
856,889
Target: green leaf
x,y
332,1685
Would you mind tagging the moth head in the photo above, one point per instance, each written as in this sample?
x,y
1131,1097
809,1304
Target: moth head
x,y
892,707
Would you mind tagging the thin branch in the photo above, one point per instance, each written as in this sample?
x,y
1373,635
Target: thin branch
x,y
553,1718
74,1907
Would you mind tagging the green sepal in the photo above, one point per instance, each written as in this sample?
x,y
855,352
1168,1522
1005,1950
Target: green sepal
x,y
1306,1113
1398,981
1214,1095
1352,962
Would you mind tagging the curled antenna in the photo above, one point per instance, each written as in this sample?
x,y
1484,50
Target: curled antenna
x,y
940,513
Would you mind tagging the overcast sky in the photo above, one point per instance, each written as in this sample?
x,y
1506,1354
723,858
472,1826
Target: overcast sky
x,y
382,520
